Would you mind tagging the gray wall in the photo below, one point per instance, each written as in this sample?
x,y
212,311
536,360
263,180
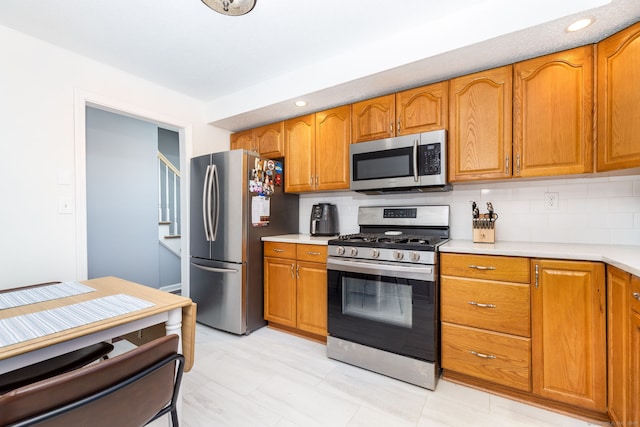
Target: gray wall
x,y
122,197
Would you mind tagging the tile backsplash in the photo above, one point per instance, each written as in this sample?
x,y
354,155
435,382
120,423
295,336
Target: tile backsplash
x,y
597,210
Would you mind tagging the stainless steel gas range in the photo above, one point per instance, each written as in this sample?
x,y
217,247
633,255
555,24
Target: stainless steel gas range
x,y
383,292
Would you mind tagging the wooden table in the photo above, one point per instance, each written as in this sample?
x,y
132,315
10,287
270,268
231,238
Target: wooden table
x,y
178,313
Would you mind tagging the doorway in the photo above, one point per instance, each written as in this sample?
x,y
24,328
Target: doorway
x,y
132,205
84,100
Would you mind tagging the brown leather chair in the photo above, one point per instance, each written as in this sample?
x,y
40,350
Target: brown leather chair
x,y
129,390
54,366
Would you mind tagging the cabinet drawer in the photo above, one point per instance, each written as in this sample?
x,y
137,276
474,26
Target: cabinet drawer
x,y
635,293
499,306
510,269
280,250
313,253
492,356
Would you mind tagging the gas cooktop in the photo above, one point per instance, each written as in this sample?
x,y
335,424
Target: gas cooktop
x,y
390,241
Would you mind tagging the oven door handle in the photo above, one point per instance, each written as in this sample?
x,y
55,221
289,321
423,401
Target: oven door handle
x,y
398,270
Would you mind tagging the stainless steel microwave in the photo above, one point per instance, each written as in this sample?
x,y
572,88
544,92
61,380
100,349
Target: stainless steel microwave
x,y
410,163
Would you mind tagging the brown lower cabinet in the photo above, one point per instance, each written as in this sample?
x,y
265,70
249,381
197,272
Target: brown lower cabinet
x,y
623,313
529,329
295,288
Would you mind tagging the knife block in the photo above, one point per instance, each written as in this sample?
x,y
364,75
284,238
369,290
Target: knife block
x,y
484,229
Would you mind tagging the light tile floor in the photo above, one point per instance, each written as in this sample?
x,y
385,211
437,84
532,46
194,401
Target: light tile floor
x,y
270,378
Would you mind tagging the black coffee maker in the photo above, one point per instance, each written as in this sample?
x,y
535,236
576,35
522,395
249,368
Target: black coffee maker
x,y
324,220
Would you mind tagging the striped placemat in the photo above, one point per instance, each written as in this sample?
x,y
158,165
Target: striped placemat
x,y
34,325
36,294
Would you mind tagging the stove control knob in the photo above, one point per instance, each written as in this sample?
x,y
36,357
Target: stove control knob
x,y
375,253
398,255
353,251
340,250
414,256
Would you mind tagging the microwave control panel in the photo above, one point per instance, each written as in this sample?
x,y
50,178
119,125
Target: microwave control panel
x,y
431,156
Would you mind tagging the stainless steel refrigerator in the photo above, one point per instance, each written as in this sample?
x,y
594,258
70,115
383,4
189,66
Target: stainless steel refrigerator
x,y
236,199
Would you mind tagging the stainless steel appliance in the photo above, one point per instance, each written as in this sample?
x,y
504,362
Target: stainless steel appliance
x,y
236,199
409,163
324,220
383,292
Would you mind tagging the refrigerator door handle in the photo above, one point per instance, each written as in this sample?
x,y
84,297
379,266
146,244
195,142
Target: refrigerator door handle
x,y
215,270
216,219
206,203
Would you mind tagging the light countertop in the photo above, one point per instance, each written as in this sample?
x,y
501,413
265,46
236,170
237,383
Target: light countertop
x,y
626,258
299,238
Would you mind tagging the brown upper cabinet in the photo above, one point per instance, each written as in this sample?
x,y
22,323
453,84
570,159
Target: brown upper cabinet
x,y
553,114
480,125
534,118
618,100
412,111
268,140
317,151
243,140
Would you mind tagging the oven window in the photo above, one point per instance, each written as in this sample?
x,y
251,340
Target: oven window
x,y
377,300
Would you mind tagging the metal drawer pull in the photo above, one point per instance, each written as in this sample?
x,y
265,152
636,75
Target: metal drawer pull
x,y
477,304
278,250
481,267
313,253
484,356
636,295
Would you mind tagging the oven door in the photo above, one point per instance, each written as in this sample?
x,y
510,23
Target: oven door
x,y
388,306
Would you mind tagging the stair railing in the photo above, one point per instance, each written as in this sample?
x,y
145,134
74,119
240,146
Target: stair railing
x,y
168,193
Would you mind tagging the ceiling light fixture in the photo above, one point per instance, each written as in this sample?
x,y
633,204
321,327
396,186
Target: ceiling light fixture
x,y
231,7
301,103
580,24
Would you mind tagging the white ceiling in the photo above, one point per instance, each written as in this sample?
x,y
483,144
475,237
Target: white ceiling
x,y
249,69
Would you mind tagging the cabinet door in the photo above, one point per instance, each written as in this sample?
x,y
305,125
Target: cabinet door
x,y
618,100
299,145
553,114
312,297
280,291
618,289
373,118
244,140
568,332
634,369
422,109
270,140
333,135
480,125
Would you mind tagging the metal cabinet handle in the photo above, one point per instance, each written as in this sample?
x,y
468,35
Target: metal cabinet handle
x,y
391,128
293,271
482,267
478,304
298,271
484,356
636,295
518,164
506,167
313,253
278,250
398,129
537,275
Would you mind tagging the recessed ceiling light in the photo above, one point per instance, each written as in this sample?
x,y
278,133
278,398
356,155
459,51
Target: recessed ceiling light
x,y
580,24
301,103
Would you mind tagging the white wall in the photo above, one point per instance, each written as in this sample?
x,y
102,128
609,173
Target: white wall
x,y
38,83
600,210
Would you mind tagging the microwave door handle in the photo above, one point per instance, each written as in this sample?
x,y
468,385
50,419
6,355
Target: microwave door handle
x,y
206,203
415,160
216,218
